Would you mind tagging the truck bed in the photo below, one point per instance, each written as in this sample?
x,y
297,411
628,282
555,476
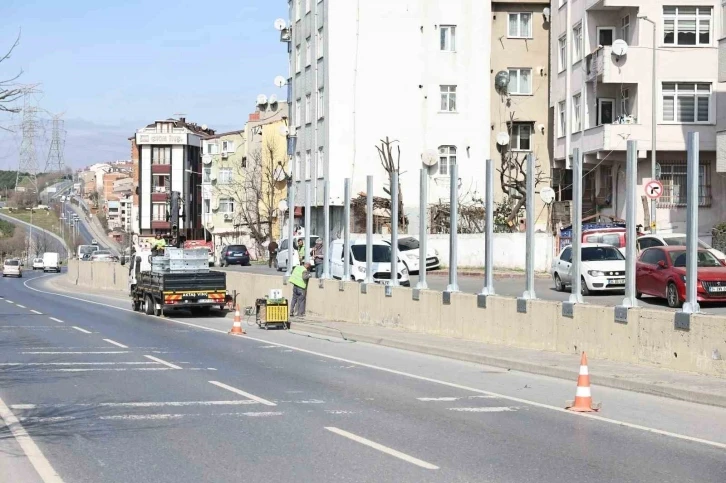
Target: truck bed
x,y
183,282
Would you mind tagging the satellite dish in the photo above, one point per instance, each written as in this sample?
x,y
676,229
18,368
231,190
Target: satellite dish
x,y
204,127
280,24
547,195
430,157
501,80
619,47
279,174
261,100
284,130
273,99
282,205
280,81
502,138
546,13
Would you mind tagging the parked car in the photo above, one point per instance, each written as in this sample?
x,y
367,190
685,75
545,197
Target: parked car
x,y
661,272
674,239
408,249
280,262
381,263
12,268
234,255
37,264
51,262
602,268
101,256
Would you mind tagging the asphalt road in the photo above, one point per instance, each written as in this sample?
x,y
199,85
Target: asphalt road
x,y
108,395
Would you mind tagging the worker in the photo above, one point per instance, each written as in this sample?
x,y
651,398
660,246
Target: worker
x,y
299,280
301,250
159,244
272,248
318,256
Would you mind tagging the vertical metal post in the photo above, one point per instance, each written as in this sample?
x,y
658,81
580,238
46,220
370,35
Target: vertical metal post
x,y
422,229
394,228
576,276
631,174
290,227
691,305
346,232
654,125
529,292
308,231
453,228
369,229
488,288
326,235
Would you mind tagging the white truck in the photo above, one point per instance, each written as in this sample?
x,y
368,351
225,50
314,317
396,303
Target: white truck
x,y
51,262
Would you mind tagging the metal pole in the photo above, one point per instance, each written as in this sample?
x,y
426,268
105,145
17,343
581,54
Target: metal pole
x,y
489,231
631,174
346,232
394,228
529,292
453,228
290,223
422,235
653,123
691,306
308,231
326,235
369,229
576,276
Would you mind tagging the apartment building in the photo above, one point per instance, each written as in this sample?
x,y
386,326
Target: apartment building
x,y
603,96
520,50
414,71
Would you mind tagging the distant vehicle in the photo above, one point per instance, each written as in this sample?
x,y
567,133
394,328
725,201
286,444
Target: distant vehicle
x,y
102,256
51,262
280,262
602,268
86,250
381,263
408,249
12,268
202,244
661,272
37,264
234,255
94,242
674,239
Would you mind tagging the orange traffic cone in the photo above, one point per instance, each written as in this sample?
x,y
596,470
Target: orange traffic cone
x,y
237,326
583,398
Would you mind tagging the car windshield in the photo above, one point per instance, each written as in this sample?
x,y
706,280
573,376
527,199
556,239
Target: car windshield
x,y
237,248
12,263
381,253
675,241
705,259
86,249
406,244
594,254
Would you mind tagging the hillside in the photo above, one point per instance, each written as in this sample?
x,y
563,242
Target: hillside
x,y
7,179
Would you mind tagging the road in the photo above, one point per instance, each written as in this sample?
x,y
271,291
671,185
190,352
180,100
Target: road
x,y
512,285
55,242
108,395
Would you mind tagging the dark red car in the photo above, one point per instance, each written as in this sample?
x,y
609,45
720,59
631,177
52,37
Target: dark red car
x,y
661,272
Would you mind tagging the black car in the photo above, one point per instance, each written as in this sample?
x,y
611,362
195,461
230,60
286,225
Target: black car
x,y
234,255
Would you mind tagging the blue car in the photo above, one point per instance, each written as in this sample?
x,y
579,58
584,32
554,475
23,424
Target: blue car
x,y
234,255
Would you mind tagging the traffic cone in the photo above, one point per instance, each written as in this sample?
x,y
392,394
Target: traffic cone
x,y
237,326
583,398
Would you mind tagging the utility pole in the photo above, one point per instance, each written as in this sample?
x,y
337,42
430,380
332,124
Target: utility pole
x,y
55,162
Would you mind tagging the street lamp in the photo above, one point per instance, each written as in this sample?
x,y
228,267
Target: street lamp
x,y
653,123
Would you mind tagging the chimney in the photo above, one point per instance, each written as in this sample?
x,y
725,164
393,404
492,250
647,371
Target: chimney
x,y
183,120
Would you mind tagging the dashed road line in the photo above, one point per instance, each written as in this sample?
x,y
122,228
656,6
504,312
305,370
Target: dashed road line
x,y
485,409
451,399
56,320
242,393
9,301
36,312
82,330
152,404
160,361
21,306
74,352
16,364
116,343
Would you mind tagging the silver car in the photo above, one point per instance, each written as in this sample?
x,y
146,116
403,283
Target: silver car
x,y
12,268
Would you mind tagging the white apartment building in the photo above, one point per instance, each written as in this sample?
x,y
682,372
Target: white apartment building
x,y
602,97
416,71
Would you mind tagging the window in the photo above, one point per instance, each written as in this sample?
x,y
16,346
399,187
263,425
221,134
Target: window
x,y
308,115
158,212
605,35
605,111
566,255
308,168
624,102
687,25
447,157
686,102
298,113
207,206
562,55
161,155
319,44
562,119
160,183
226,205
521,139
520,81
308,51
520,25
576,119
673,175
212,148
228,146
298,59
298,167
321,103
448,38
448,98
225,175
319,167
625,28
577,43
244,161
298,9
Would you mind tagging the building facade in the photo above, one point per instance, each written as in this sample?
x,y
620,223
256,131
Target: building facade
x,y
602,96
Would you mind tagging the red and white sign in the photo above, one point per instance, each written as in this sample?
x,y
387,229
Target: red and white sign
x,y
654,189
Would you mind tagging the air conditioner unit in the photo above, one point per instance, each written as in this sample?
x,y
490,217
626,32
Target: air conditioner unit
x,y
225,155
228,217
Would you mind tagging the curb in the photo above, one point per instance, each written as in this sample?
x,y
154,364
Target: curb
x,y
560,373
499,275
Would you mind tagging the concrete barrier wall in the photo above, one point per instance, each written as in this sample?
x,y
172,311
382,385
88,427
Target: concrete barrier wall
x,y
649,337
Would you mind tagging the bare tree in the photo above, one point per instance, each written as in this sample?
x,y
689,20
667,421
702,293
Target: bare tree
x,y
10,90
385,153
41,243
13,246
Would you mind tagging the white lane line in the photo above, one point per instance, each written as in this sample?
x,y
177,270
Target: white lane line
x,y
451,399
160,361
9,301
102,369
242,393
240,402
36,312
263,414
82,330
384,449
485,409
560,410
76,352
21,306
142,417
31,450
145,417
116,343
16,364
56,320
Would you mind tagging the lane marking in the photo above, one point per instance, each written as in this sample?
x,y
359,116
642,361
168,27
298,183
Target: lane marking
x,y
160,361
485,410
237,402
384,449
15,364
82,330
143,417
56,320
36,312
76,352
242,393
31,450
451,399
101,369
9,301
21,306
116,343
462,387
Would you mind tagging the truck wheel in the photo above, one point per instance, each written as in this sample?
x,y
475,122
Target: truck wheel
x,y
135,305
149,305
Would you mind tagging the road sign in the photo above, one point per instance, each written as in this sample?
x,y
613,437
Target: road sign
x,y
653,189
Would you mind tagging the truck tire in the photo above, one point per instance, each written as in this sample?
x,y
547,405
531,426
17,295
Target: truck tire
x,y
149,308
135,305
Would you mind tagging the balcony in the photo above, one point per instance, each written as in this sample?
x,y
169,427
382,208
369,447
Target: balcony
x,y
603,66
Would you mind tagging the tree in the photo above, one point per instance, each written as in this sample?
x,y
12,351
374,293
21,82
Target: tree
x,y
385,153
41,243
10,90
14,245
93,198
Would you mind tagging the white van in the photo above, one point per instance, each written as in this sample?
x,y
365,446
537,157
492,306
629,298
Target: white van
x,y
51,262
381,262
281,257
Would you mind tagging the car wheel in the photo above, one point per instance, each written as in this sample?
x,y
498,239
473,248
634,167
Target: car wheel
x,y
149,305
584,290
559,286
672,296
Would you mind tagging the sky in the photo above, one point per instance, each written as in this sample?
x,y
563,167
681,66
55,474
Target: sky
x,y
111,67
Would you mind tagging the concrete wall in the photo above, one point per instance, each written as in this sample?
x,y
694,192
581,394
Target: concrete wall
x,y
648,338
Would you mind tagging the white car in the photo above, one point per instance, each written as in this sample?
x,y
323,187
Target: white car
x,y
102,256
408,250
12,268
381,263
37,264
280,262
674,239
602,268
